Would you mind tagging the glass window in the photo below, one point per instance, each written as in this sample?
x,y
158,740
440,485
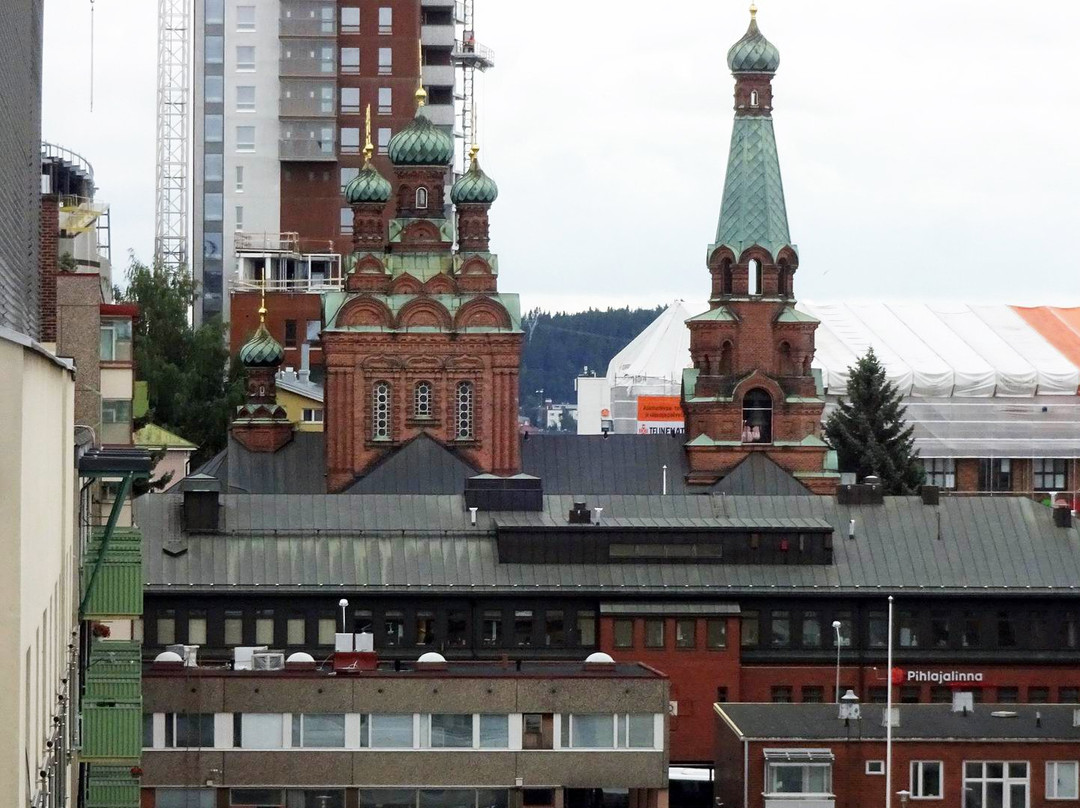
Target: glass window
x,y
654,633
185,797
422,398
425,628
1049,474
213,167
391,731
239,218
295,631
245,138
1008,694
750,634
450,730
909,694
290,333
245,98
494,731
970,636
939,629
940,694
995,475
347,176
245,18
457,629
781,694
592,731
380,411
215,50
813,694
386,20
260,731
387,798
196,627
811,629
386,61
214,128
234,627
239,179
716,632
1069,695
907,629
554,628
523,627
586,626
1061,780
214,89
757,417
394,628
350,60
314,798
350,100
214,12
799,778
115,340
346,221
491,624
940,471
350,20
245,57
636,730
994,784
264,627
686,633
1038,631
312,416
1038,695
148,730
623,630
1006,630
191,730
464,410
926,779
386,100
115,420
781,629
350,140
166,627
318,730
384,135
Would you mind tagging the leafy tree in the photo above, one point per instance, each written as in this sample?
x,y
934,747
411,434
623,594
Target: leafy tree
x,y
192,388
869,432
568,423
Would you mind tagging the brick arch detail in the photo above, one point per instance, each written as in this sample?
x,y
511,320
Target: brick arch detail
x,y
366,311
758,379
483,312
440,285
424,312
420,232
405,285
475,266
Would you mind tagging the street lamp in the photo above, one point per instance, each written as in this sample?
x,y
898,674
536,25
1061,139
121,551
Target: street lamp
x,y
836,628
904,796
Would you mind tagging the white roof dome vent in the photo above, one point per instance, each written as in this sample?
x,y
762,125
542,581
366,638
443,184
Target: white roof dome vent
x,y
599,658
169,656
432,658
299,656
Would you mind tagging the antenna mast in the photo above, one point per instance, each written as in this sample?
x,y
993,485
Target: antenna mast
x,y
470,56
170,217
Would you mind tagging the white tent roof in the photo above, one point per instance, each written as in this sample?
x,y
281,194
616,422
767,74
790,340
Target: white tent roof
x,y
657,354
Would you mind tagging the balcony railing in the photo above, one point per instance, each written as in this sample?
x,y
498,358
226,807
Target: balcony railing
x,y
317,284
307,149
306,67
266,242
799,801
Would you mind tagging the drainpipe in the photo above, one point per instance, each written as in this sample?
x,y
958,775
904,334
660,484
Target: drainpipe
x,y
745,775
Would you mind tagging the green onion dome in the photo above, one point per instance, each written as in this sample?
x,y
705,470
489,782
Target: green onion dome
x,y
474,186
262,350
753,53
368,186
421,143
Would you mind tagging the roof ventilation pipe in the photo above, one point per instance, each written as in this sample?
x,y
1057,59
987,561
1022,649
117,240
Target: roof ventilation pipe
x,y
579,514
472,515
664,489
599,512
851,529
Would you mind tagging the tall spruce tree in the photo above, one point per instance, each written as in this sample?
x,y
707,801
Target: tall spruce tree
x,y
869,432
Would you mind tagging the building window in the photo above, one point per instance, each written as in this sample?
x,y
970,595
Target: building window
x,y
464,408
245,138
213,207
234,627
390,731
940,694
449,731
393,629
523,627
386,100
383,138
799,778
588,731
318,730
907,629
350,60
457,629
295,631
196,627
811,629
910,694
350,140
347,176
623,629
686,633
421,197
239,179
494,731
1049,474
586,627
350,100
757,417
214,89
166,627
1038,695
781,629
312,415
214,47
1061,780
1006,630
554,628
996,783
750,634
753,98
422,400
875,767
115,340
781,694
939,629
386,61
654,633
245,18
1069,695
214,128
290,333
213,167
345,221
380,411
940,471
245,58
189,730
115,420
716,633
970,637
721,695
239,225
926,780
1008,694
214,12
245,98
386,20
813,694
635,731
995,475
877,695
491,625
258,731
425,628
350,20
264,627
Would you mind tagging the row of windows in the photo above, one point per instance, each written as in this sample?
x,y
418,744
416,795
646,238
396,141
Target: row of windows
x,y
658,633
1040,629
1047,473
422,628
914,694
335,797
401,731
423,397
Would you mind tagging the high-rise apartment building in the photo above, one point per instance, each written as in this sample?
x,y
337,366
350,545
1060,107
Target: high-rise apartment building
x,y
280,93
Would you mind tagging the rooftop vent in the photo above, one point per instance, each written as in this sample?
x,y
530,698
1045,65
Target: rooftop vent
x,y
1004,714
579,514
431,661
598,660
242,656
931,494
520,492
963,701
268,661
188,653
202,509
173,658
890,716
864,493
1062,515
300,659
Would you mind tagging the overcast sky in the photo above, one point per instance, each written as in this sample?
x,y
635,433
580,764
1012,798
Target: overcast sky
x,y
930,150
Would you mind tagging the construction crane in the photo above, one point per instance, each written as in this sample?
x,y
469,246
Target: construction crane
x,y
470,56
170,217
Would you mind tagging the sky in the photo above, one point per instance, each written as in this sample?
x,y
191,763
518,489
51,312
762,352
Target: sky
x,y
930,151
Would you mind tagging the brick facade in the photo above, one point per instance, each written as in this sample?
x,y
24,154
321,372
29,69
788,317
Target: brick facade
x,y
48,264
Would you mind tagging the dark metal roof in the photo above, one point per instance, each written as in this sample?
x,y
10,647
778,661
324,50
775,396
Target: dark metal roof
x,y
617,464
421,466
820,722
399,543
298,467
759,474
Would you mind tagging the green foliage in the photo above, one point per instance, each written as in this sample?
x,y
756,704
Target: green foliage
x,y
869,432
568,423
191,386
558,346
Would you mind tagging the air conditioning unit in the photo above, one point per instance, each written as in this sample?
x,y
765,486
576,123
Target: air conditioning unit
x,y
242,656
268,661
188,653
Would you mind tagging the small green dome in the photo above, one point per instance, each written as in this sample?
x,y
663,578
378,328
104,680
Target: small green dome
x,y
262,350
474,186
368,186
421,143
753,53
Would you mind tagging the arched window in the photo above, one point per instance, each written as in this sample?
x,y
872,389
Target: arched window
x,y
753,272
726,276
422,400
757,417
463,423
753,98
421,197
380,411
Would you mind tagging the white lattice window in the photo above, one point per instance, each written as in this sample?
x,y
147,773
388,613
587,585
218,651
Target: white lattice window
x,y
380,411
422,397
465,406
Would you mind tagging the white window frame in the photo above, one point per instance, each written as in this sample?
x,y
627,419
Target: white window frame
x,y
381,413
244,65
349,140
421,198
384,136
423,394
386,20
312,415
294,716
802,764
240,179
238,225
1006,780
464,411
1051,779
386,61
940,468
243,105
350,27
244,25
350,67
568,719
917,775
875,767
282,741
386,100
245,146
1044,467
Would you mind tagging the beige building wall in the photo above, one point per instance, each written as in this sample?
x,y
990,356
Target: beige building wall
x,y
37,541
294,405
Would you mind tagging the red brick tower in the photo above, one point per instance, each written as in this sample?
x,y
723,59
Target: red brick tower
x,y
750,388
261,424
421,341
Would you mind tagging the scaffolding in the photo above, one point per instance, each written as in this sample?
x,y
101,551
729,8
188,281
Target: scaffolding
x,y
470,56
170,219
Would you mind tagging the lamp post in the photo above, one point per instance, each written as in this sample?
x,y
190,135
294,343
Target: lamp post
x,y
889,716
344,605
836,629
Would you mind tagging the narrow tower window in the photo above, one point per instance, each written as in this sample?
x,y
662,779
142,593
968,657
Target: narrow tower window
x,y
726,277
421,197
757,417
753,98
422,400
464,426
726,359
753,272
380,411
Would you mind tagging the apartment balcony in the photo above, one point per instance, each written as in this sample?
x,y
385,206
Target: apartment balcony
x,y
437,35
799,801
441,114
307,149
303,67
307,18
307,99
439,75
115,577
283,262
112,704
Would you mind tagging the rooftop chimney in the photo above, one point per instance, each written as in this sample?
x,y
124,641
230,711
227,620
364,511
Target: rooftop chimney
x,y
931,494
1062,514
580,514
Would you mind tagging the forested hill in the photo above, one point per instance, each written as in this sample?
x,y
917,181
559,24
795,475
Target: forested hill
x,y
558,346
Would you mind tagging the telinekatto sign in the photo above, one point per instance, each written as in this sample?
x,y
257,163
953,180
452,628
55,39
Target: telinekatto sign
x,y
659,415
